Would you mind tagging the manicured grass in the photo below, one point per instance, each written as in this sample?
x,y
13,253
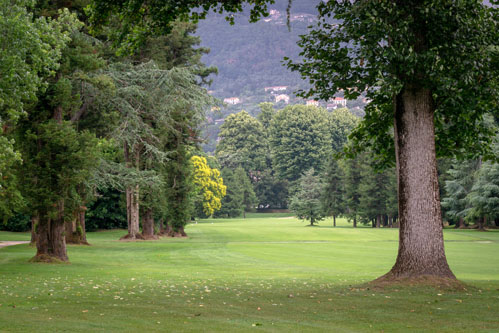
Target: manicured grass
x,y
259,274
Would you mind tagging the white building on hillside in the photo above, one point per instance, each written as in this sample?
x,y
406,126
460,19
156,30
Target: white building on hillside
x,y
232,100
339,101
282,97
312,102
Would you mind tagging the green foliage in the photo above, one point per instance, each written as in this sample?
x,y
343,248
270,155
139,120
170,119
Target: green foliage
x,y
108,211
353,179
16,223
341,124
306,202
140,19
484,195
332,196
249,197
233,202
377,190
300,139
30,50
460,180
382,47
242,143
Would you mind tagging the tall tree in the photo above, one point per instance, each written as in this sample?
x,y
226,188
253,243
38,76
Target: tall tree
x,y
209,186
333,192
341,123
427,66
300,140
461,177
233,202
30,50
249,197
242,143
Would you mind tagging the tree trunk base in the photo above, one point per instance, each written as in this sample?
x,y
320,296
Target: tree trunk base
x,y
440,282
149,237
45,258
179,233
129,237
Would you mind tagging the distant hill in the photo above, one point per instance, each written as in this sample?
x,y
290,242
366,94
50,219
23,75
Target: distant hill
x,y
249,58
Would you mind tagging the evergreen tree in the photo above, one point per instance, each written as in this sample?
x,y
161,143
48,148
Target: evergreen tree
x,y
249,197
353,179
306,202
460,180
233,202
333,191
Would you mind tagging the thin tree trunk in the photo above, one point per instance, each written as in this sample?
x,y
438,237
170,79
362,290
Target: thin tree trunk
x,y
355,222
132,197
390,221
421,246
334,220
481,223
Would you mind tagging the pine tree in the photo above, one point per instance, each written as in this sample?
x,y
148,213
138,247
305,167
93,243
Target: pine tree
x,y
306,202
333,192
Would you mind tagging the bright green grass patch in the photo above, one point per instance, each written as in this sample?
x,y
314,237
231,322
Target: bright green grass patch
x,y
258,274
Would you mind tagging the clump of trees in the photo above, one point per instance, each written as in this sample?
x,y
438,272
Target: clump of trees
x,y
88,136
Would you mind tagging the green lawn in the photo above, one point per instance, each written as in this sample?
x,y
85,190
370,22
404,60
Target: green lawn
x,y
257,274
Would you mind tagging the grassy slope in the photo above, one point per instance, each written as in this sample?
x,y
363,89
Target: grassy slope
x,y
243,275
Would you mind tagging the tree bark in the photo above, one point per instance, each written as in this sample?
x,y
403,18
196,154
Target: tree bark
x,y
34,222
421,246
334,220
132,198
75,230
51,242
378,221
355,222
148,225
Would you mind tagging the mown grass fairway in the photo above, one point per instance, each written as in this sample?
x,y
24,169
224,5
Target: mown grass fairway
x,y
258,274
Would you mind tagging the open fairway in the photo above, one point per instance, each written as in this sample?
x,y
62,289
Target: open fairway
x,y
256,274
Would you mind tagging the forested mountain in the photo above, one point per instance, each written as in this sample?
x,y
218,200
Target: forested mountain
x,y
249,58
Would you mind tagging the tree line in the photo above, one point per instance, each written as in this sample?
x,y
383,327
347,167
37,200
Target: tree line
x,y
83,125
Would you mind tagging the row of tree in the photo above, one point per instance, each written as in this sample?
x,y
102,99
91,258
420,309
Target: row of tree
x,y
79,122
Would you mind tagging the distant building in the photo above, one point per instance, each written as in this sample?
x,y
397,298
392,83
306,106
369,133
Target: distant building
x,y
331,106
232,100
276,88
282,97
312,102
339,101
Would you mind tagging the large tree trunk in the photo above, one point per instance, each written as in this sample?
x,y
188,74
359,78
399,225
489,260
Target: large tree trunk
x,y
378,221
421,245
75,230
51,243
148,225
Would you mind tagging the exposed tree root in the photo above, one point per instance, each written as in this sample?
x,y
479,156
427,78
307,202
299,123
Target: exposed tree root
x,y
389,280
150,237
44,258
129,238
